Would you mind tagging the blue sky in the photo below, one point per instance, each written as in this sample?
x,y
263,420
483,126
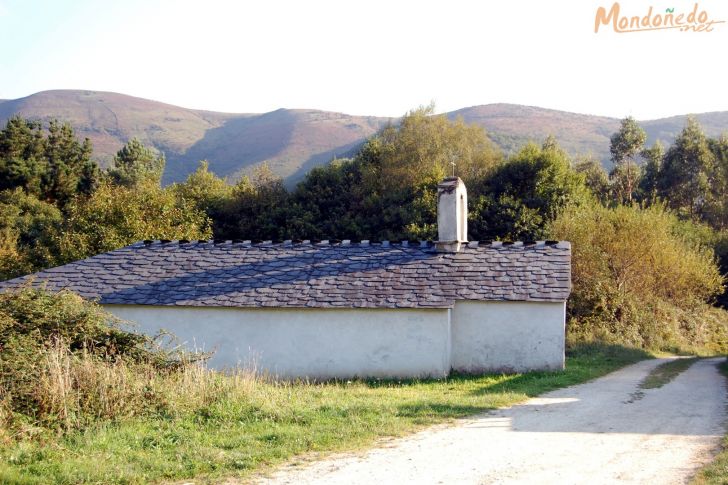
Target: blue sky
x,y
375,57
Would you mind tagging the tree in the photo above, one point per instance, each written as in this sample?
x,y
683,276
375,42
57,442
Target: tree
x,y
624,180
70,169
115,216
595,178
256,209
28,231
715,211
625,146
426,145
648,186
135,164
204,189
687,167
22,160
550,143
396,191
328,203
55,168
524,194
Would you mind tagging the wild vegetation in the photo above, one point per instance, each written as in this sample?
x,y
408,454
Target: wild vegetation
x,y
639,280
48,340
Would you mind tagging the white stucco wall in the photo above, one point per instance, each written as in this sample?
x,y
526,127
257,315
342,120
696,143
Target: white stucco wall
x,y
310,343
325,343
507,336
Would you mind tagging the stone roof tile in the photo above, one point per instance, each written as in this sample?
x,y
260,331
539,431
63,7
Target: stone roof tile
x,y
321,275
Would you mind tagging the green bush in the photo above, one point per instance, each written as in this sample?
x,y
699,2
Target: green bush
x,y
641,278
51,344
28,233
113,217
42,316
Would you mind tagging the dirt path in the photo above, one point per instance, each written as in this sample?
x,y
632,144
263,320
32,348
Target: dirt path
x,y
599,432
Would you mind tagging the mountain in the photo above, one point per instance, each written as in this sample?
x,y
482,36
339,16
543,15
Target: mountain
x,y
110,119
512,125
294,141
291,141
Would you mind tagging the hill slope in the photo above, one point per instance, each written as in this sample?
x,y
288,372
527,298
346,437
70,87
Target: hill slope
x,y
291,141
294,141
513,125
109,119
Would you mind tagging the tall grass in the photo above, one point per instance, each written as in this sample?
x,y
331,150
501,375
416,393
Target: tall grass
x,y
76,389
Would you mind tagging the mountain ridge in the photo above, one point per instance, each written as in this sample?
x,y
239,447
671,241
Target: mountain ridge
x,y
292,141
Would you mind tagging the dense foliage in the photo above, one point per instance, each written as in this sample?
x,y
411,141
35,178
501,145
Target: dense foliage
x,y
58,206
523,195
52,166
113,217
28,229
641,278
389,189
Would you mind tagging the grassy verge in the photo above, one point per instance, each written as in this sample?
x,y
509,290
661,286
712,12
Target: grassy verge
x,y
716,472
238,426
664,373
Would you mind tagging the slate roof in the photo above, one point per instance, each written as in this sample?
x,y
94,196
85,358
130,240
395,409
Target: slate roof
x,y
319,274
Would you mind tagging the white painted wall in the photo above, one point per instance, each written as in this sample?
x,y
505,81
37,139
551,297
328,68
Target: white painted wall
x,y
325,343
311,343
507,336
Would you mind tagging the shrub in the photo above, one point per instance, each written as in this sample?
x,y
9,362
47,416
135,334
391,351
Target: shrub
x,y
56,348
640,278
28,231
40,316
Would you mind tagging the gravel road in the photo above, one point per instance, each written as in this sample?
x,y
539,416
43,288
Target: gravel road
x,y
604,431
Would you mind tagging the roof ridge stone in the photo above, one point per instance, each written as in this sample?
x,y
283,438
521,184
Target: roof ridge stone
x,y
348,243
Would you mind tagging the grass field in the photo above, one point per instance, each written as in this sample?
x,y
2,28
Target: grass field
x,y
248,425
